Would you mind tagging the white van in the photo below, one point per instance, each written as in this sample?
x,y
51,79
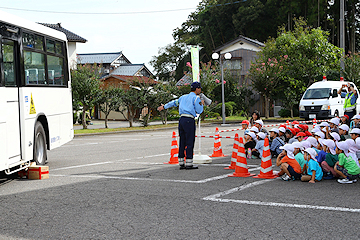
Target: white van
x,y
321,100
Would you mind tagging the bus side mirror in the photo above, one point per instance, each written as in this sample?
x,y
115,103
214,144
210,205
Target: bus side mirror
x,y
334,94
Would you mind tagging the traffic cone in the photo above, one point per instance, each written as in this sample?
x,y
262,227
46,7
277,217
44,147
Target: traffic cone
x,y
314,122
266,164
234,153
174,151
217,145
241,169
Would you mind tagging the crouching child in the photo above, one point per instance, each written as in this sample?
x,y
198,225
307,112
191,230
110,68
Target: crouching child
x,y
312,170
290,168
346,167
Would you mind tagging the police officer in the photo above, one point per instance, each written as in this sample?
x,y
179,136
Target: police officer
x,y
189,105
350,99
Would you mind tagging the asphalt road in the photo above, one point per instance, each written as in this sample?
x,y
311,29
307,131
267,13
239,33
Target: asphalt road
x,y
116,186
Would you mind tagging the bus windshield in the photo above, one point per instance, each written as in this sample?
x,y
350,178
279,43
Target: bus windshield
x,y
317,93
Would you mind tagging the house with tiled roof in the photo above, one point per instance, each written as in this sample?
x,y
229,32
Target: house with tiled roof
x,y
132,70
72,38
243,51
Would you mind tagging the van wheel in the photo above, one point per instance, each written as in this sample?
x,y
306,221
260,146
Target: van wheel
x,y
39,144
336,114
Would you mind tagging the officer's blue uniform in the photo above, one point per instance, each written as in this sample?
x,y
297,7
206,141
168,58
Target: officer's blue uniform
x,y
189,106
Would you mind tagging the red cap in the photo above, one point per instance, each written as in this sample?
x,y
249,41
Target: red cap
x,y
295,122
296,130
245,122
283,125
301,134
346,116
292,131
341,79
302,126
308,133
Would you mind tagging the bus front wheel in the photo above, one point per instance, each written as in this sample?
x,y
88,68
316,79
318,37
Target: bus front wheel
x,y
39,144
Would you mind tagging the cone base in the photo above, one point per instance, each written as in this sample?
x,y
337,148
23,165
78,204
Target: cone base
x,y
201,159
266,176
230,167
171,162
241,175
219,155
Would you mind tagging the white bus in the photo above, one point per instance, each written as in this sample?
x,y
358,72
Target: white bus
x,y
35,92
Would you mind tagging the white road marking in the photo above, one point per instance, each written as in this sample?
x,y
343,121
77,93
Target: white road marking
x,y
143,179
216,198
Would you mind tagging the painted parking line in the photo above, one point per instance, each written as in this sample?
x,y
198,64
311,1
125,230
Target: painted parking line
x,y
142,179
217,198
148,179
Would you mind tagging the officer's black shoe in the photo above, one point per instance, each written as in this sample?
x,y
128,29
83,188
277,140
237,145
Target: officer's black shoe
x,y
182,167
191,167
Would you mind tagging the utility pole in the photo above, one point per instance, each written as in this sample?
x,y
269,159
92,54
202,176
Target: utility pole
x,y
342,32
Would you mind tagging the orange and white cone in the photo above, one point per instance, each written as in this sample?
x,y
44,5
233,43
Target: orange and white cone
x,y
217,145
174,151
234,153
266,164
241,169
314,122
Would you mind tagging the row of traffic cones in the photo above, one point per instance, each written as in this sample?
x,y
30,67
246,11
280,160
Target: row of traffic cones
x,y
241,168
217,152
238,157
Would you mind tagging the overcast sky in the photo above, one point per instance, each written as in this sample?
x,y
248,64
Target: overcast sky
x,y
139,35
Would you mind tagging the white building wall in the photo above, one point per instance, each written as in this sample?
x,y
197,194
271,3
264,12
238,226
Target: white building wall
x,y
72,54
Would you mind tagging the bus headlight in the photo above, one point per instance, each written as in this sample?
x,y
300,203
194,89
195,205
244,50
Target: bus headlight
x,y
301,108
325,107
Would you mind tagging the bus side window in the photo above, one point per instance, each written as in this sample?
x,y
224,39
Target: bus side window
x,y
9,63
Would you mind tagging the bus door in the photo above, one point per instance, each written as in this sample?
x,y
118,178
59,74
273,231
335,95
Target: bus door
x,y
9,104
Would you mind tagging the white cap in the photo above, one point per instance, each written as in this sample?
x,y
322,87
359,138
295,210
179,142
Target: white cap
x,y
335,136
274,130
324,124
259,122
343,146
282,129
312,153
357,116
313,141
254,129
331,145
297,145
305,144
355,130
321,141
352,145
314,130
335,121
320,134
344,127
251,134
289,148
261,135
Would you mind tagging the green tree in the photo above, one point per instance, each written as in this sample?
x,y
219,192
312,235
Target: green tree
x,y
135,98
352,68
109,100
266,76
86,87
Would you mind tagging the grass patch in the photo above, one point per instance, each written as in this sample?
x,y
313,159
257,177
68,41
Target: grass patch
x,y
105,130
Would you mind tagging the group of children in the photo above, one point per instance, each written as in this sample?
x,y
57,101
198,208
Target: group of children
x,y
329,151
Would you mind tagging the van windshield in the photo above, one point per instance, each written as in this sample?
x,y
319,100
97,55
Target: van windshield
x,y
317,93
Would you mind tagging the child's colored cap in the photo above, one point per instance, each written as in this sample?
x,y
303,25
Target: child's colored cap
x,y
312,153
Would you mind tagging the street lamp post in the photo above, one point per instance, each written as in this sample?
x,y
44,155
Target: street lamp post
x,y
227,56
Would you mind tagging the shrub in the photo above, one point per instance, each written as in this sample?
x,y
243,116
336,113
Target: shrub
x,y
284,113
